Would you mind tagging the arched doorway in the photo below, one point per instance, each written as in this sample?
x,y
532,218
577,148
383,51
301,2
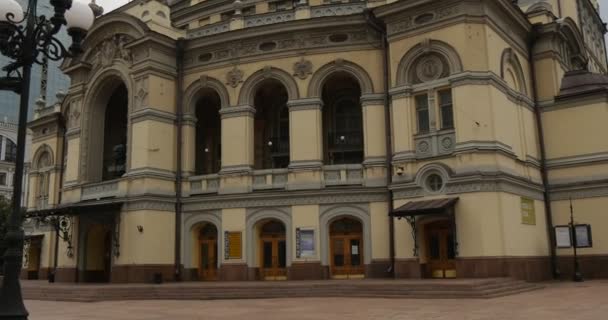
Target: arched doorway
x,y
207,252
271,128
346,249
208,133
98,254
342,120
115,134
273,251
440,249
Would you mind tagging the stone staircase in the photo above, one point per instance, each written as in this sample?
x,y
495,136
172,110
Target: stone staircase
x,y
412,289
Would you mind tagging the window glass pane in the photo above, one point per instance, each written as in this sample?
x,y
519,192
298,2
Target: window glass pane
x,y
338,252
422,110
282,254
267,254
423,120
434,247
451,247
355,253
447,113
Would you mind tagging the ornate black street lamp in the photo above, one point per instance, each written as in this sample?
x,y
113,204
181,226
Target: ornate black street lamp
x,y
26,39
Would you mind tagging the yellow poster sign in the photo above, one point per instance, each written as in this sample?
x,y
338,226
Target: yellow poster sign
x,y
528,214
234,248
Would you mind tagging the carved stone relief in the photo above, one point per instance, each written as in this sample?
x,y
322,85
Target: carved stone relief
x,y
302,69
113,47
74,113
141,93
307,40
234,77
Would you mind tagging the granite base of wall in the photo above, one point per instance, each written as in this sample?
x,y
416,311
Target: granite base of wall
x,y
142,273
305,271
408,269
378,269
234,272
66,275
591,266
190,274
522,268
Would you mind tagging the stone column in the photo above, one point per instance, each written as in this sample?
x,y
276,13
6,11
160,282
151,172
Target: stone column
x,y
374,137
305,143
237,148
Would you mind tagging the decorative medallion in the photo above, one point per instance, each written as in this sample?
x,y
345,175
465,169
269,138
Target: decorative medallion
x,y
141,93
234,77
302,69
447,142
429,68
423,147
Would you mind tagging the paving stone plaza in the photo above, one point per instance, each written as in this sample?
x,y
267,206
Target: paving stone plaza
x,y
566,300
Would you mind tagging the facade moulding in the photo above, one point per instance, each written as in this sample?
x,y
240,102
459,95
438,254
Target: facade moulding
x,y
579,160
153,115
286,198
579,190
471,183
305,104
582,100
469,78
238,111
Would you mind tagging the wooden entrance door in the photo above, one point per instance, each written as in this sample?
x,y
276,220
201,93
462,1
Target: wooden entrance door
x,y
207,244
273,251
346,249
440,250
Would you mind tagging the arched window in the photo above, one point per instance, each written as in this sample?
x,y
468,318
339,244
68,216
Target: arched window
x,y
115,135
342,120
271,127
434,109
43,165
208,133
10,150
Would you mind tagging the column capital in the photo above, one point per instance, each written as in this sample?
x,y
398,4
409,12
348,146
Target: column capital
x,y
237,111
372,99
305,104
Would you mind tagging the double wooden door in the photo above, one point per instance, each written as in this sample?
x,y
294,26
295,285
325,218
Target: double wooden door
x,y
273,257
207,267
440,250
347,256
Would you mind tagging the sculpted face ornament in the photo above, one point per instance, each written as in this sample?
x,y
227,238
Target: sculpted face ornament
x,y
113,47
302,69
234,77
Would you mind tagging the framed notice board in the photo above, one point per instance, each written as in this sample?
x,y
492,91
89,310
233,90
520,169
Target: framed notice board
x,y
233,245
582,232
528,213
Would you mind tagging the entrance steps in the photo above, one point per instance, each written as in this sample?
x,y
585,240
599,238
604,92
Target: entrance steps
x,y
413,289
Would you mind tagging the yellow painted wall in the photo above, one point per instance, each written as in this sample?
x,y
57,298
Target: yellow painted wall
x,y
155,245
306,217
153,145
571,131
233,220
586,211
380,230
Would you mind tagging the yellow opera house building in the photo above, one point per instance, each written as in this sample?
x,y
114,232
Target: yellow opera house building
x,y
324,139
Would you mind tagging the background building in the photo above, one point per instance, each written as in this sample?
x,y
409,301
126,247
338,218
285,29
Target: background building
x,y
318,139
46,80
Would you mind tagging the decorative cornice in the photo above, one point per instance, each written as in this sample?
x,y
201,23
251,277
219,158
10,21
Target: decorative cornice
x,y
286,198
579,190
480,182
373,99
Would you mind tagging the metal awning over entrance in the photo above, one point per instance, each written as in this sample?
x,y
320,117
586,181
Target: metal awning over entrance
x,y
425,207
413,211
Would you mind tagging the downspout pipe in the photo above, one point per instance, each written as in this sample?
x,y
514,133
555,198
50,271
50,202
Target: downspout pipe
x,y
179,61
380,27
555,273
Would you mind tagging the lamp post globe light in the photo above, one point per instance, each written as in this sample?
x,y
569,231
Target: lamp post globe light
x,y
26,38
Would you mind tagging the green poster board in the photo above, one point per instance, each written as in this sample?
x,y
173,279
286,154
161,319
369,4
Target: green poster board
x,y
528,214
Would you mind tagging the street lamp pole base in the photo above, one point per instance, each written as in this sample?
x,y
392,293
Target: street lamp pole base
x,y
578,277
